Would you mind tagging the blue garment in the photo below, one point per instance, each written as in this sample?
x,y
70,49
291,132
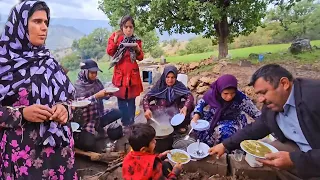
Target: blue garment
x,y
289,124
229,124
128,110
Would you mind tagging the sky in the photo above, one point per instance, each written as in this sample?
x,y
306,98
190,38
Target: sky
x,y
75,9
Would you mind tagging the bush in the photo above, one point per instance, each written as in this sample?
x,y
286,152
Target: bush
x,y
157,52
199,45
173,42
71,62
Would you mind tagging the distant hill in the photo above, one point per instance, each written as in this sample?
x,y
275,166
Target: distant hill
x,y
59,36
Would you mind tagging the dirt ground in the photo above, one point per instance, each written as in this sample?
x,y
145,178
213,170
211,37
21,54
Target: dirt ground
x,y
243,75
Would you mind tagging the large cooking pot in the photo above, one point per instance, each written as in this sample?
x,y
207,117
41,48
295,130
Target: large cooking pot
x,y
164,137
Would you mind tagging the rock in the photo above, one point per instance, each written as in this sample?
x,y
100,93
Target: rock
x,y
253,56
300,45
205,74
245,63
202,84
207,80
217,68
223,62
194,81
201,90
194,65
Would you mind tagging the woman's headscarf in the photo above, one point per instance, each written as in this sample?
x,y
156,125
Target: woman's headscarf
x,y
214,99
25,65
121,48
85,87
162,91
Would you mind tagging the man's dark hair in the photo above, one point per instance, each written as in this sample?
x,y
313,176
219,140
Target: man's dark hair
x,y
141,135
125,19
271,73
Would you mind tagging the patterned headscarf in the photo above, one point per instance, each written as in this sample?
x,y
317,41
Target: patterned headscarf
x,y
162,91
23,65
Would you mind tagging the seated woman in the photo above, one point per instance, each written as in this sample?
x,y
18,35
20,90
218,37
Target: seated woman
x,y
168,94
94,116
225,114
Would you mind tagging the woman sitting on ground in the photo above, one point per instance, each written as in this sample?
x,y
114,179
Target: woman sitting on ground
x,y
168,94
225,114
94,116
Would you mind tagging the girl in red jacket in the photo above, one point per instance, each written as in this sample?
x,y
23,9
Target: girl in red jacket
x,y
126,75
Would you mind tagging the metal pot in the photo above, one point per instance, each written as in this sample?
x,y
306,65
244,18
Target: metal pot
x,y
164,137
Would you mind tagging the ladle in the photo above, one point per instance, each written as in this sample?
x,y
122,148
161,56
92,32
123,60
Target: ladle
x,y
188,136
155,121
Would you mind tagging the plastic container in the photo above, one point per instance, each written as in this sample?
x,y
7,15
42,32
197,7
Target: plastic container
x,y
183,78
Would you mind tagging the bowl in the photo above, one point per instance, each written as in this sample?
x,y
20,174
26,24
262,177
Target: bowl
x,y
192,149
169,155
271,148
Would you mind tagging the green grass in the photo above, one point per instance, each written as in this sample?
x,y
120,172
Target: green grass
x,y
104,77
235,53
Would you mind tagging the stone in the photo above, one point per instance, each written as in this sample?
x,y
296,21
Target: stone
x,y
300,45
205,74
210,165
207,80
194,81
242,168
217,68
201,84
245,63
201,90
194,65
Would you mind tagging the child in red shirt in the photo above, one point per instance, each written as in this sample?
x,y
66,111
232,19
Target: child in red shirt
x,y
142,163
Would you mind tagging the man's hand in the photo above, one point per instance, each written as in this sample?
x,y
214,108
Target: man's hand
x,y
37,113
60,114
184,111
218,150
279,160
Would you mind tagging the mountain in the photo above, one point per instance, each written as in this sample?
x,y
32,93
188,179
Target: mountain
x,y
59,37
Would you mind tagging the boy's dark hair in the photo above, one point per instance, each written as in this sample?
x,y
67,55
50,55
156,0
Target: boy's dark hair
x,y
271,73
141,135
125,19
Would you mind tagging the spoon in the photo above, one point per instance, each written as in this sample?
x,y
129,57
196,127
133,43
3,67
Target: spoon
x,y
155,121
188,136
199,151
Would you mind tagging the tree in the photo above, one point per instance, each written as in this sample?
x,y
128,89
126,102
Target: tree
x,y
71,61
150,40
220,20
93,45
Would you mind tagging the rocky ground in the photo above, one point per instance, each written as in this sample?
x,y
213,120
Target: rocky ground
x,y
199,82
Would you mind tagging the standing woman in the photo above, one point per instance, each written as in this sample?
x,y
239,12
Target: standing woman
x,y
126,75
35,137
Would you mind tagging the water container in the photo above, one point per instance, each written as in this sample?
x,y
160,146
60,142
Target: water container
x,y
150,77
183,78
261,57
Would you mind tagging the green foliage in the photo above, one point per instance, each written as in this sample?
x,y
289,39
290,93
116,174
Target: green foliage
x,y
165,43
93,45
71,61
219,20
157,52
173,42
199,45
149,40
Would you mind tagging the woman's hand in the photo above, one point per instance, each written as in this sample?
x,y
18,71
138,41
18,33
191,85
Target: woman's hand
x,y
60,114
37,113
118,33
137,49
184,111
148,114
195,118
101,94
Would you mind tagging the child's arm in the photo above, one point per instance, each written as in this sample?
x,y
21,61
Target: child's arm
x,y
158,174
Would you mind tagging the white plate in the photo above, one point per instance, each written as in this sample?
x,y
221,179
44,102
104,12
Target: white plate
x,y
177,119
111,89
129,44
75,126
201,125
192,149
273,149
82,103
180,151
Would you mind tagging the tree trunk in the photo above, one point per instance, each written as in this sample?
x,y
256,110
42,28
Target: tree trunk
x,y
222,29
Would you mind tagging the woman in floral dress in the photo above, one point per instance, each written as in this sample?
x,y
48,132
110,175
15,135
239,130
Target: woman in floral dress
x,y
35,137
227,106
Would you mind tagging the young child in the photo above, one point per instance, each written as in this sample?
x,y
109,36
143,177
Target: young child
x,y
141,163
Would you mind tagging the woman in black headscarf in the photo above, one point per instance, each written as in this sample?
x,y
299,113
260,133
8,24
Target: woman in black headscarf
x,y
35,136
168,94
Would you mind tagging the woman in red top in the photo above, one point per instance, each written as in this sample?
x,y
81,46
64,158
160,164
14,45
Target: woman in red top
x,y
126,75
